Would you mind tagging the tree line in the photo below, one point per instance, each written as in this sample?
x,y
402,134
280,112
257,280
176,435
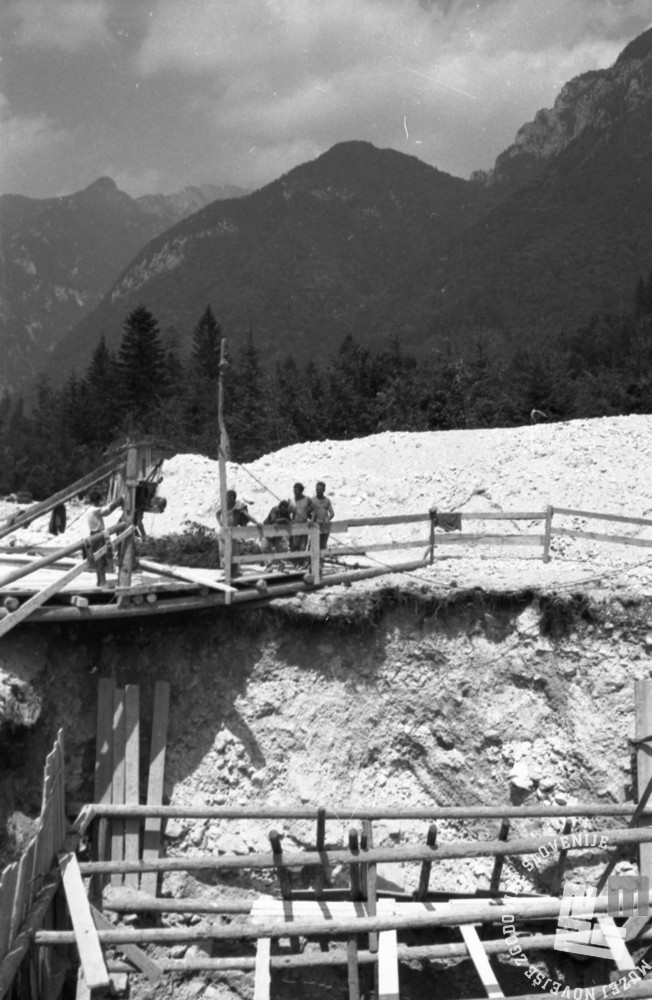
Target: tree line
x,y
603,368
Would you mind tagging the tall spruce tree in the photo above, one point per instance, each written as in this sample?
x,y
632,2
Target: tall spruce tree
x,y
142,369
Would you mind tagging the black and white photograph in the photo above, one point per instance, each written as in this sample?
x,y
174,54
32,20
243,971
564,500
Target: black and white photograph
x,y
325,499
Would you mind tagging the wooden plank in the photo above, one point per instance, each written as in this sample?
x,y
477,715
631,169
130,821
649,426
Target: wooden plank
x,y
152,834
503,540
481,962
86,939
132,952
7,892
118,781
83,991
44,595
546,534
617,947
388,983
186,574
103,769
643,714
262,975
622,518
132,776
494,885
21,943
598,536
45,506
21,892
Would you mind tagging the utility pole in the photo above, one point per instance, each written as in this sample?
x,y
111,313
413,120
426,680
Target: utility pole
x,y
223,454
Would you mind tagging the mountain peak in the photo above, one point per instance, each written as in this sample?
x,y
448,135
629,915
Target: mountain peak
x,y
596,100
640,48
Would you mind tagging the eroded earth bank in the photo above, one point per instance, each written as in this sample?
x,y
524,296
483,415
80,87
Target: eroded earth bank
x,y
400,694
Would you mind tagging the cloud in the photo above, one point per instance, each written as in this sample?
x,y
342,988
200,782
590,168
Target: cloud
x,y
67,25
24,140
303,74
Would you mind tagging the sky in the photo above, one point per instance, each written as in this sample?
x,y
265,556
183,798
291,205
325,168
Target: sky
x,y
161,94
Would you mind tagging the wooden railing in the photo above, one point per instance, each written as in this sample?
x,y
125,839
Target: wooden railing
x,y
27,887
311,558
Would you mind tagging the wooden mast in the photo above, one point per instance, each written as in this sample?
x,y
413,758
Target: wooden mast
x,y
223,454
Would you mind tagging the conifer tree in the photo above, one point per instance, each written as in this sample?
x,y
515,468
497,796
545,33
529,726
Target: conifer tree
x,y
142,371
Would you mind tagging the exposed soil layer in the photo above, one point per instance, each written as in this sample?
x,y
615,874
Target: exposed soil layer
x,y
489,677
389,696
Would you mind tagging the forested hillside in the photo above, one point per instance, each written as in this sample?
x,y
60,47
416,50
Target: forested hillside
x,y
601,368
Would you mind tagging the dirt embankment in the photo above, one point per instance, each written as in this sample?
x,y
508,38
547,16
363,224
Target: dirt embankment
x,y
390,697
490,677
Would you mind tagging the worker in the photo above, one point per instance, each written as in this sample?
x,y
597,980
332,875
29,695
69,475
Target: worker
x,y
238,516
301,513
279,516
95,521
323,513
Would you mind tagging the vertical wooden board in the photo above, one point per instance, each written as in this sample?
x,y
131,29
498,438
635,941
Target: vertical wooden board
x,y
86,939
152,834
481,961
643,706
103,767
61,793
7,892
132,777
388,966
103,740
262,976
118,781
83,989
21,892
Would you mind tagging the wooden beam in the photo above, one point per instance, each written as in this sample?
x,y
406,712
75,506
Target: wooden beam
x,y
136,956
103,769
132,777
45,506
645,522
44,595
186,574
128,555
118,780
481,962
88,945
21,942
152,834
599,536
364,811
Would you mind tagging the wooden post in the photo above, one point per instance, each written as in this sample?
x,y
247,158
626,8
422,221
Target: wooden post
x,y
152,834
494,885
643,708
223,454
118,780
103,772
558,875
88,945
315,553
283,875
547,532
129,515
356,881
132,776
424,877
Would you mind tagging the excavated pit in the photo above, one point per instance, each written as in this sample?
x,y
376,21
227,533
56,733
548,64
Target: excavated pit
x,y
381,695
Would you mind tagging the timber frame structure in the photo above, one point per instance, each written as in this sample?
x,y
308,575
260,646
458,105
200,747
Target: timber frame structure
x,y
54,902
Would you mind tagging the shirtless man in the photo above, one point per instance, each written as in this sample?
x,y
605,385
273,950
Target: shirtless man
x,y
323,513
301,513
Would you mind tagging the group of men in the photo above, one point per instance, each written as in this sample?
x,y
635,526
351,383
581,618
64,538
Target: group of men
x,y
301,509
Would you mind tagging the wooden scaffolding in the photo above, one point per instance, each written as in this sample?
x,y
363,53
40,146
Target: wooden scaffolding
x,y
58,909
